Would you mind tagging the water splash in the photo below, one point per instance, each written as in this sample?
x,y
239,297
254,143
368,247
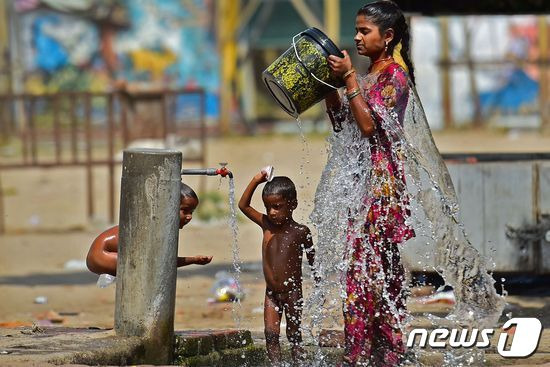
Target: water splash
x,y
305,170
305,146
237,306
346,190
457,260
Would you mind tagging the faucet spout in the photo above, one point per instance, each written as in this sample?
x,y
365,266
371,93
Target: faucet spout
x,y
224,172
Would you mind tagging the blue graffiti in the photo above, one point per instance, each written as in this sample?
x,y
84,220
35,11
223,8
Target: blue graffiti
x,y
50,55
520,90
197,61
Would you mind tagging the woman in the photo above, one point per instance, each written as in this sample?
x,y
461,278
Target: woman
x,y
375,305
362,204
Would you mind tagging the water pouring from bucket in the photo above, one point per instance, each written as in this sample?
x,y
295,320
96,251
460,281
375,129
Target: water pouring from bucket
x,y
301,76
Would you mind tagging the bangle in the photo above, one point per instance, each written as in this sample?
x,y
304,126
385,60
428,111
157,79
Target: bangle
x,y
348,73
354,93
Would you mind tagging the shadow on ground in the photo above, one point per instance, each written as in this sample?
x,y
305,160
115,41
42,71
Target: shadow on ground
x,y
85,277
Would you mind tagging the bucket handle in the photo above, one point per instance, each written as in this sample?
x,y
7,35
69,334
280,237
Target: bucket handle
x,y
300,59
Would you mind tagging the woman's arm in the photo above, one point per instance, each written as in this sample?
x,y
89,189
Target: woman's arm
x,y
359,107
333,101
333,104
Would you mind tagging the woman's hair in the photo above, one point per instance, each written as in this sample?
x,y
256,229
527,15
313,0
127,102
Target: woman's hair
x,y
188,192
280,185
386,14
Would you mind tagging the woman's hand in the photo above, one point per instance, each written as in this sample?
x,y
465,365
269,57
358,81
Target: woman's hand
x,y
338,65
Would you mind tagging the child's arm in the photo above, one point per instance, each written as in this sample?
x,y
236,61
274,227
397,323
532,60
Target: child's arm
x,y
102,256
244,203
199,260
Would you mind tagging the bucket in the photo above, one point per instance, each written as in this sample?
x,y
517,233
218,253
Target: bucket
x,y
301,76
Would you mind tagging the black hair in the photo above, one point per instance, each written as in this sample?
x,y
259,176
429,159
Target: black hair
x,y
386,14
188,192
280,185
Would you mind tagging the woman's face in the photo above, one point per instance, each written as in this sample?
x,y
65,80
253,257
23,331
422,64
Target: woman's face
x,y
368,40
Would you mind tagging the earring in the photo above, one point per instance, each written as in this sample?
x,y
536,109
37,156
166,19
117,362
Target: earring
x,y
386,48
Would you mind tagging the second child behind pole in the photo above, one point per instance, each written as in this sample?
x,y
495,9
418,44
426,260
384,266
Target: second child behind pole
x,y
102,256
284,242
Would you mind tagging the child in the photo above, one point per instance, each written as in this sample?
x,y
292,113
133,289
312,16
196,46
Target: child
x,y
283,244
102,256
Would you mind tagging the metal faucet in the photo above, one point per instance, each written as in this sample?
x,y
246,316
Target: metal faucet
x,y
222,171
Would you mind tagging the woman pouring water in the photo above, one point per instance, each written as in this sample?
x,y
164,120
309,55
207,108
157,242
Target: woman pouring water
x,y
381,148
375,303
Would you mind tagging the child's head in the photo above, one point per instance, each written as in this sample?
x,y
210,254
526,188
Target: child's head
x,y
279,196
189,201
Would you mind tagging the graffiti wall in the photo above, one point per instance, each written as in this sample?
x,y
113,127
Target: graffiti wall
x,y
504,51
95,44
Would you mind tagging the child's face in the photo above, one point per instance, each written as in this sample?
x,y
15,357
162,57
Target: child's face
x,y
278,209
187,206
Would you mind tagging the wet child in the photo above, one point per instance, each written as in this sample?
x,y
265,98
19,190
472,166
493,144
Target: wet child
x,y
284,242
102,255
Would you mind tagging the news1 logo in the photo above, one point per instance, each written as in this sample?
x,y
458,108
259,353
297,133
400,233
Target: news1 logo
x,y
524,341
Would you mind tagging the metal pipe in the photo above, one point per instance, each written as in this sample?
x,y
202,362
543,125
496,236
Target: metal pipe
x,y
223,171
199,171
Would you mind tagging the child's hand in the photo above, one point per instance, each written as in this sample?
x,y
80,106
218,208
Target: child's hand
x,y
261,177
202,260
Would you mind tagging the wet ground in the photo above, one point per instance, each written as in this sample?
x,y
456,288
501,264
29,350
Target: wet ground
x,y
41,276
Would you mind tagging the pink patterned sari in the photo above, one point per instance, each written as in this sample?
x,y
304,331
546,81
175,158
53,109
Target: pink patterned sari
x,y
375,282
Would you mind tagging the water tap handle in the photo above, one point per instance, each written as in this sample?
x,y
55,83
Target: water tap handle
x,y
223,171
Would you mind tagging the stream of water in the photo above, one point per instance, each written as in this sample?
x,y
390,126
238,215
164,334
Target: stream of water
x,y
237,306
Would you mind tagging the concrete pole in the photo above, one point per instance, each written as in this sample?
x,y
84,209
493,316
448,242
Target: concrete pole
x,y
148,249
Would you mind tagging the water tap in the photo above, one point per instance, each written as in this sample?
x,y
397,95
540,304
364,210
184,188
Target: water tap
x,y
223,171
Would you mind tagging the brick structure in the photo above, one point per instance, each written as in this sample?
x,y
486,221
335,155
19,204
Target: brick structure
x,y
217,348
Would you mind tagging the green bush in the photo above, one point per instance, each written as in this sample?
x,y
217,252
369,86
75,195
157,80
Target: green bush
x,y
213,205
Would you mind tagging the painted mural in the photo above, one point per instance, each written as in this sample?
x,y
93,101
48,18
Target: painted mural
x,y
97,44
505,52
